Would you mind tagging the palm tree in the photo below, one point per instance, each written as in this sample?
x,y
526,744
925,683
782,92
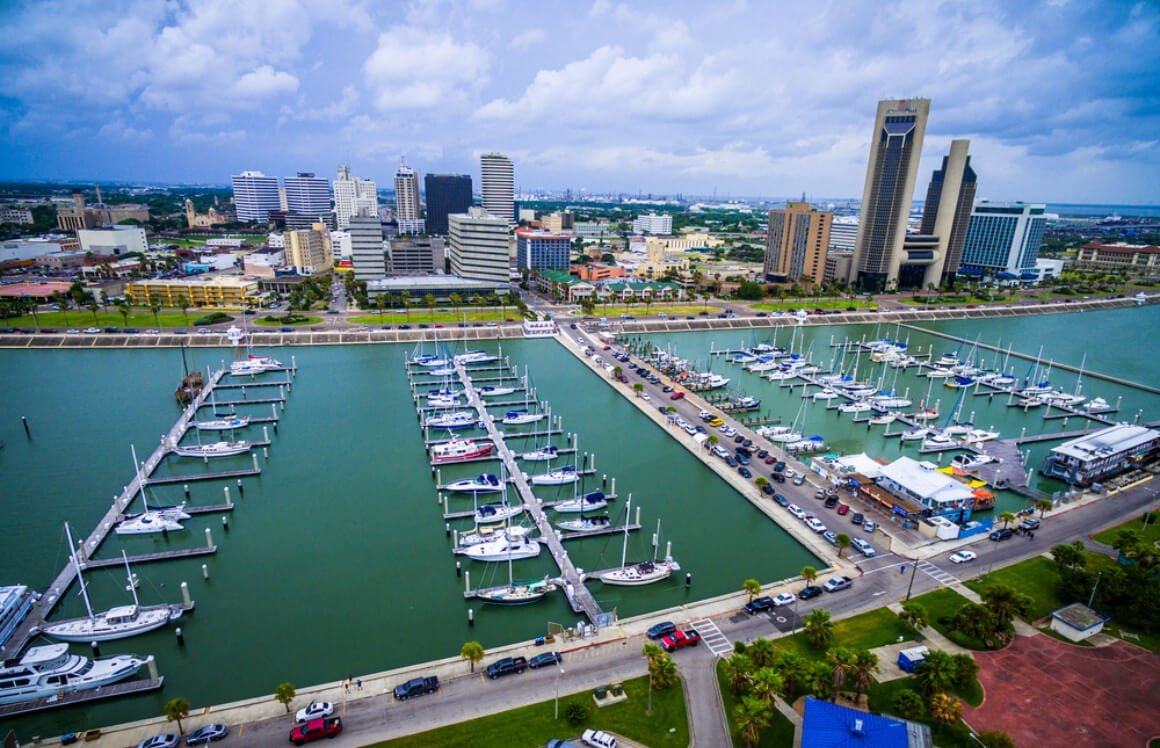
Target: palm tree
x,y
864,667
738,671
843,542
761,482
660,666
712,441
381,303
472,652
62,301
936,674
155,307
752,586
761,652
104,300
819,628
637,388
284,694
841,662
1007,518
810,574
429,302
407,304
1005,603
92,305
616,372
945,708
1070,555
752,716
767,685
176,710
791,666
653,652
123,308
455,300
1044,506
183,304
914,615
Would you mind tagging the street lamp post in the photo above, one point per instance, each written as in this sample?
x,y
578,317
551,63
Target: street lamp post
x,y
650,674
559,672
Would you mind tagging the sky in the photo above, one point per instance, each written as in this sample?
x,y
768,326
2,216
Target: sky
x,y
1059,98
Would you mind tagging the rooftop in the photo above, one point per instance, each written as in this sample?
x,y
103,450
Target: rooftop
x,y
1112,440
925,480
1079,616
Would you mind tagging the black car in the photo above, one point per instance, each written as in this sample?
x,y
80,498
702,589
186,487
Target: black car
x,y
661,630
731,461
743,451
1002,534
831,502
759,604
767,489
747,443
739,438
857,518
207,734
547,658
742,459
778,477
667,388
778,466
780,500
809,592
762,454
744,472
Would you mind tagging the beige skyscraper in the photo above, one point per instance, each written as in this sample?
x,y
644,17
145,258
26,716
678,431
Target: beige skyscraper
x,y
895,149
796,243
946,215
406,194
498,185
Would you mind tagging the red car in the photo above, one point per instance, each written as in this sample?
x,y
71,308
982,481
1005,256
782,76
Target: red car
x,y
315,729
677,396
678,639
843,508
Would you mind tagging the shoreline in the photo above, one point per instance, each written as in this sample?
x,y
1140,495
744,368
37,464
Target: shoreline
x,y
313,337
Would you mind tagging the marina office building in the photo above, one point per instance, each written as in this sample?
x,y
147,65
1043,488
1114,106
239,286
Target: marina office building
x,y
1103,454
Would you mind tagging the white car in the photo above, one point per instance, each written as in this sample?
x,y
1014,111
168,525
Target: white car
x,y
314,710
815,524
784,598
598,739
796,511
963,557
645,396
869,526
866,549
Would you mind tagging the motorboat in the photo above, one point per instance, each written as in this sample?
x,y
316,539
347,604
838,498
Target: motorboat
x,y
825,394
890,401
558,477
914,433
781,375
937,441
857,391
959,382
458,450
224,424
589,502
489,391
508,546
460,419
443,401
475,357
485,483
970,461
812,444
958,429
520,417
147,523
1062,399
497,511
857,406
252,365
15,605
1029,402
978,436
216,449
585,524
1096,403
484,533
745,403
50,670
543,454
937,372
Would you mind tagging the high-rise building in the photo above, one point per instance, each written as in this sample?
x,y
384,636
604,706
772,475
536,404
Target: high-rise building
x,y
366,248
414,256
1004,238
353,197
309,250
446,194
653,224
945,214
797,242
559,221
307,195
895,148
542,250
844,233
479,246
255,195
498,185
407,194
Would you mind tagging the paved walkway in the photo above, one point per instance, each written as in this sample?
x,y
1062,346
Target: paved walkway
x,y
707,726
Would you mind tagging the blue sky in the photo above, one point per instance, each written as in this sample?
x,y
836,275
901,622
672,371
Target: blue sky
x,y
1060,98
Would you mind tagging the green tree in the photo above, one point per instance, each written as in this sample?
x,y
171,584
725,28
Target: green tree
x,y
381,304
817,679
576,713
456,301
92,305
752,587
819,628
908,705
62,302
761,482
472,652
429,302
712,441
660,666
104,300
761,652
284,694
1070,556
914,615
752,716
977,622
841,662
123,308
995,739
155,307
177,709
183,303
637,388
843,542
792,667
810,574
965,670
864,666
946,708
738,672
936,674
1005,603
767,684
1044,506
1007,518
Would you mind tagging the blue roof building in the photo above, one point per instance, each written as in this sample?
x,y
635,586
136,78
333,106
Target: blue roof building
x,y
827,725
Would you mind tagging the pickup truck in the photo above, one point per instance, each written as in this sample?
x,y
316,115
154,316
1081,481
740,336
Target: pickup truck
x,y
315,729
678,639
507,666
417,687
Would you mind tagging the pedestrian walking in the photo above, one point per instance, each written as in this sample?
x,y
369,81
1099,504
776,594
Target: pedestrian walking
x,y
902,569
360,684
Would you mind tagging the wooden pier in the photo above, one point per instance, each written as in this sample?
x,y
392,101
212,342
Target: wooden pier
x,y
579,596
145,558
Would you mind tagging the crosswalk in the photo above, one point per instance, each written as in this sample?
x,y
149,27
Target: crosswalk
x,y
712,638
944,578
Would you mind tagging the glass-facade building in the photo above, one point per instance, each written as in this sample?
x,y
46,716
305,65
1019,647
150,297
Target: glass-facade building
x,y
1004,238
446,194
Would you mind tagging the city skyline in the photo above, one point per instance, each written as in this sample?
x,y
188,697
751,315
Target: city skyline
x,y
738,99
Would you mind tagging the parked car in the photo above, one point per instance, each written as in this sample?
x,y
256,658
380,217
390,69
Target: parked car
x,y
1031,523
836,584
780,499
783,598
168,740
1001,534
507,666
679,639
759,605
831,537
799,480
815,524
777,477
843,508
865,548
779,466
417,687
661,629
857,518
716,422
963,557
314,710
315,730
598,739
767,489
545,658
667,388
831,502
207,734
809,592
869,526
796,511
738,438
745,473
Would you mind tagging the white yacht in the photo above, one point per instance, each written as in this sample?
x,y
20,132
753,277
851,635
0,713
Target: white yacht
x,y
589,502
49,670
216,449
459,419
485,483
508,546
543,454
497,512
558,477
520,417
224,424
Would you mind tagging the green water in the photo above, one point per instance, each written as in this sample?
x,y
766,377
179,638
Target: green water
x,y
336,561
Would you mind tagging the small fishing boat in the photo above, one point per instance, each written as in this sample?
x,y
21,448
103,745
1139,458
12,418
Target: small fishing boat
x,y
458,450
558,477
978,436
485,483
589,502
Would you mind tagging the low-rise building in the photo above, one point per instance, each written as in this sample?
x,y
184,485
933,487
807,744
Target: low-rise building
x,y
1077,622
596,271
229,290
922,483
1103,454
440,286
10,214
1134,259
115,241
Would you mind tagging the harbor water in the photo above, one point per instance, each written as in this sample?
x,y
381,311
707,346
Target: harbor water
x,y
336,560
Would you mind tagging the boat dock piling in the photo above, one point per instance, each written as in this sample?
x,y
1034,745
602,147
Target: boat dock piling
x,y
579,596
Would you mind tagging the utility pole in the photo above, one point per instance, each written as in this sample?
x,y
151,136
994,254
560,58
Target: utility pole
x,y
913,571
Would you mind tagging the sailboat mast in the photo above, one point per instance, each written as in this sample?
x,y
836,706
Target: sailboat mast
x,y
627,517
137,470
76,563
129,576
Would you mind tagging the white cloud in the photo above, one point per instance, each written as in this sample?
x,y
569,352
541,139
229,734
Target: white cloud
x,y
529,38
118,130
415,70
265,82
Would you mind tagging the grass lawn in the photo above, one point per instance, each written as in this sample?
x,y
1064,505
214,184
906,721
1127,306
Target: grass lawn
x,y
780,730
1149,533
396,317
638,309
535,724
874,628
944,603
262,322
84,318
1035,577
882,696
809,303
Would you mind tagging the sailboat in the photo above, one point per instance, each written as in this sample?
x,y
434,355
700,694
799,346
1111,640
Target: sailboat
x,y
588,502
224,424
251,364
638,574
513,542
150,521
557,477
114,623
485,483
543,454
507,546
458,419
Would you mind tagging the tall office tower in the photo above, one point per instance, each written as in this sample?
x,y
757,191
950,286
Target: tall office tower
x,y
797,242
895,148
446,194
366,248
542,250
406,194
946,214
255,195
479,246
498,185
353,197
1004,238
307,195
